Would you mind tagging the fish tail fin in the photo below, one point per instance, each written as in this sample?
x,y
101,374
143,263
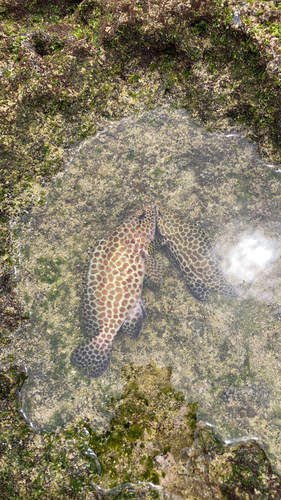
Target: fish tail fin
x,y
92,357
231,290
202,294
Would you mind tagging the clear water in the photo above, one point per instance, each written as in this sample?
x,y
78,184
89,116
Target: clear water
x,y
224,354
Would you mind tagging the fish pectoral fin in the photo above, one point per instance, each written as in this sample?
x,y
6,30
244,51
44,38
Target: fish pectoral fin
x,y
132,325
154,269
199,292
92,357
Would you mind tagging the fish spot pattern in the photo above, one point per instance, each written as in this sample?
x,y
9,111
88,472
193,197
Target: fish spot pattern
x,y
113,289
116,272
190,249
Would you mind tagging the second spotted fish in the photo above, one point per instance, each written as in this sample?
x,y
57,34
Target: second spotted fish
x,y
188,246
112,297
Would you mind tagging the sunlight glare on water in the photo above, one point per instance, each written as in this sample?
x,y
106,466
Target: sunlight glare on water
x,y
250,256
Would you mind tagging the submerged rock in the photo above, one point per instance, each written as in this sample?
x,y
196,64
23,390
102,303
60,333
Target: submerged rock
x,y
153,448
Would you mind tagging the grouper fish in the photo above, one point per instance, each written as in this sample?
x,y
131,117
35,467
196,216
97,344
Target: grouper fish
x,y
187,245
112,297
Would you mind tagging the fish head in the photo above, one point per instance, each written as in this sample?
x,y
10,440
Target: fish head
x,y
166,221
142,224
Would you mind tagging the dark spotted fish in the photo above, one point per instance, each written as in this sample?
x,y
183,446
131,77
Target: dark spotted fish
x,y
188,246
114,283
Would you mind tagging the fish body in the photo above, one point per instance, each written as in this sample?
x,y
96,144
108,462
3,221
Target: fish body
x,y
189,247
112,297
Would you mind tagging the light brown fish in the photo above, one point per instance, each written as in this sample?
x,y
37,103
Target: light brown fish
x,y
112,297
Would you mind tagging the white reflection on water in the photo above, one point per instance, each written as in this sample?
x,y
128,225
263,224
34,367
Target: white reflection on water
x,y
273,166
250,256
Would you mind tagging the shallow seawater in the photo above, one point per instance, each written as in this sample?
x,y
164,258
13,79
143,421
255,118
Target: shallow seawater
x,y
223,354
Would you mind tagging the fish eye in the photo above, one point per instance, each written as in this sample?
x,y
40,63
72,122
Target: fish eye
x,y
142,216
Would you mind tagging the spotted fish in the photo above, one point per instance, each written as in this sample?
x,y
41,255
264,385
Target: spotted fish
x,y
188,246
112,297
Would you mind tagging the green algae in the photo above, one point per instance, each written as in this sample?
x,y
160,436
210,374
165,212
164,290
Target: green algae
x,y
48,270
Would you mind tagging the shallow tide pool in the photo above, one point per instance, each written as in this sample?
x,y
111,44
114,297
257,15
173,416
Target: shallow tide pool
x,y
225,353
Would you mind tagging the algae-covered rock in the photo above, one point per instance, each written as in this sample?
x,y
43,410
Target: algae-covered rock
x,y
150,422
153,448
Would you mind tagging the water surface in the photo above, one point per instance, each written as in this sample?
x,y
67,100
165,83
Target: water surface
x,y
223,354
